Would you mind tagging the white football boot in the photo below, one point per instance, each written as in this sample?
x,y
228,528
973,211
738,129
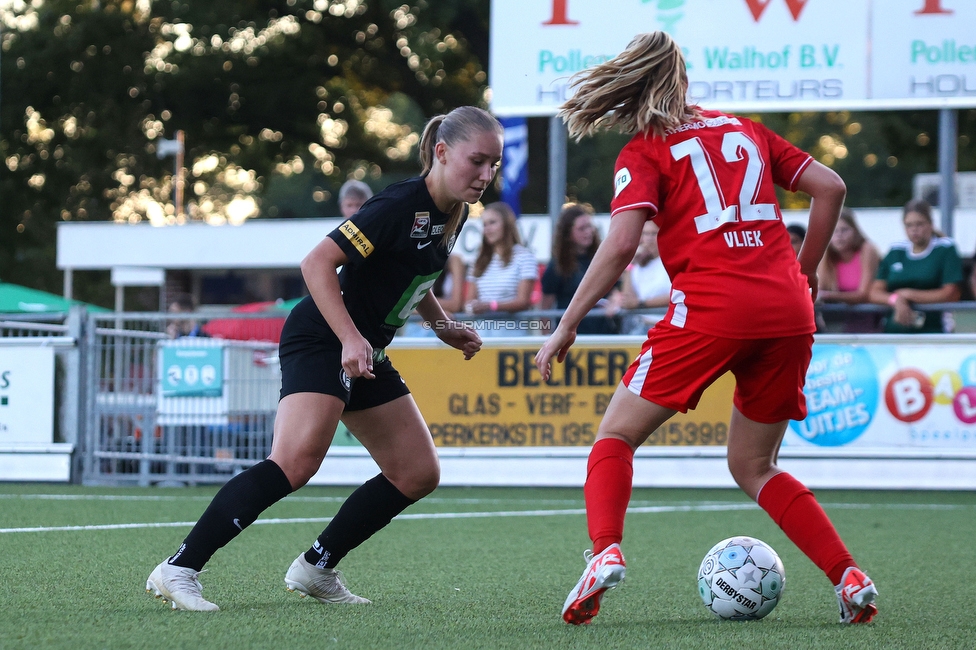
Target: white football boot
x,y
324,585
180,586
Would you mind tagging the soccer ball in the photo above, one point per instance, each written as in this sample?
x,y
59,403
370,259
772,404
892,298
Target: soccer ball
x,y
741,579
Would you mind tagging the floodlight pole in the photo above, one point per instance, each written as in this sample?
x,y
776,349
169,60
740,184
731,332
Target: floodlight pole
x,y
557,168
948,149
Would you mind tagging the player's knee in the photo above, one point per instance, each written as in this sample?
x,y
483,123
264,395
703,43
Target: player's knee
x,y
747,471
428,481
299,471
420,481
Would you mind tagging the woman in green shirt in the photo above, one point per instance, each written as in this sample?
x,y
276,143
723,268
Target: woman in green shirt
x,y
923,270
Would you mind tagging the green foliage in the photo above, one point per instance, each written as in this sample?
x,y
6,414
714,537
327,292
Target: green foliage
x,y
66,119
876,153
278,100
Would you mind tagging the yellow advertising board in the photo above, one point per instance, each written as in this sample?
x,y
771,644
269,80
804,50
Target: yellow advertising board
x,y
498,398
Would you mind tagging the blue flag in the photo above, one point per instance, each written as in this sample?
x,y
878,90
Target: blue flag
x,y
515,161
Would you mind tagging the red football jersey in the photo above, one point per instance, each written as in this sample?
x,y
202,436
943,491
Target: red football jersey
x,y
709,186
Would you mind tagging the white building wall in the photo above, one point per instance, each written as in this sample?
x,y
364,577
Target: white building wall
x,y
282,243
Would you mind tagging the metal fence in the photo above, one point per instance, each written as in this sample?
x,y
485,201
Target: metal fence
x,y
142,408
174,411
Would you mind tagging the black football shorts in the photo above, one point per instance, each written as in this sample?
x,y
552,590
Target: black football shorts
x,y
311,362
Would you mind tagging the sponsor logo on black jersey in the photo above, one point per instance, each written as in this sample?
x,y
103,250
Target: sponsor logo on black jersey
x,y
421,225
358,239
437,230
451,242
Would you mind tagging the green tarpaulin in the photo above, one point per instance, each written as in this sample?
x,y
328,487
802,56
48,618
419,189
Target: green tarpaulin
x,y
288,305
15,299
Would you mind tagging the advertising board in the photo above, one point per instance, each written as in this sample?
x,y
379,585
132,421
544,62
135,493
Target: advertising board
x,y
883,395
26,395
498,399
746,55
875,393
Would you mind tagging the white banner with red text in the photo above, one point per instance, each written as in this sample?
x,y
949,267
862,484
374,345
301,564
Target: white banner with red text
x,y
746,55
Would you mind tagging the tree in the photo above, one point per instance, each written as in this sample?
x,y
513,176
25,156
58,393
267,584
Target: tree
x,y
877,153
68,125
280,102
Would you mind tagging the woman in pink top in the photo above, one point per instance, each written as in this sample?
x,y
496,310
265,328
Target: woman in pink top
x,y
848,268
846,273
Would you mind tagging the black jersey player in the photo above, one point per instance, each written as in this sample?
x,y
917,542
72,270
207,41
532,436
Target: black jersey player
x,y
333,365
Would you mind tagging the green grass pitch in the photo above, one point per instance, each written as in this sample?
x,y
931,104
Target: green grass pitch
x,y
470,568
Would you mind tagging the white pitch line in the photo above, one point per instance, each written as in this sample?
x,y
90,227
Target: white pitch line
x,y
48,529
700,507
899,506
100,497
303,499
467,501
294,499
431,515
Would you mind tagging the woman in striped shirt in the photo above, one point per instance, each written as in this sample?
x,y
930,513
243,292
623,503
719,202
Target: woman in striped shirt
x,y
504,272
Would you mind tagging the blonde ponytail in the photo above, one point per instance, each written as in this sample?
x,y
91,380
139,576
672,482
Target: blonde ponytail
x,y
456,126
428,140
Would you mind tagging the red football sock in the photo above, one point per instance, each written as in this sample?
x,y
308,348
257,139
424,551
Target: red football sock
x,y
609,480
794,509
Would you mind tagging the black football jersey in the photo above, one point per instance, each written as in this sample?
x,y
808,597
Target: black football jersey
x,y
395,250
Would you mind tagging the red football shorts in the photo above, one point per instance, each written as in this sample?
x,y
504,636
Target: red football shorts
x,y
676,365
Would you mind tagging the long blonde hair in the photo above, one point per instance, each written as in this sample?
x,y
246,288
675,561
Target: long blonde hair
x,y
642,88
456,126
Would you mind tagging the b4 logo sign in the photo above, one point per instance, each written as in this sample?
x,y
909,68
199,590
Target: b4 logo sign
x,y
908,395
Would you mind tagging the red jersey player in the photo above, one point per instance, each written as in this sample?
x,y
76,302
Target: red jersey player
x,y
740,302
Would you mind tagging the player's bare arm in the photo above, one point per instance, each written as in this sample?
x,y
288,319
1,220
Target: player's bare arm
x,y
946,293
455,333
319,272
827,191
611,258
